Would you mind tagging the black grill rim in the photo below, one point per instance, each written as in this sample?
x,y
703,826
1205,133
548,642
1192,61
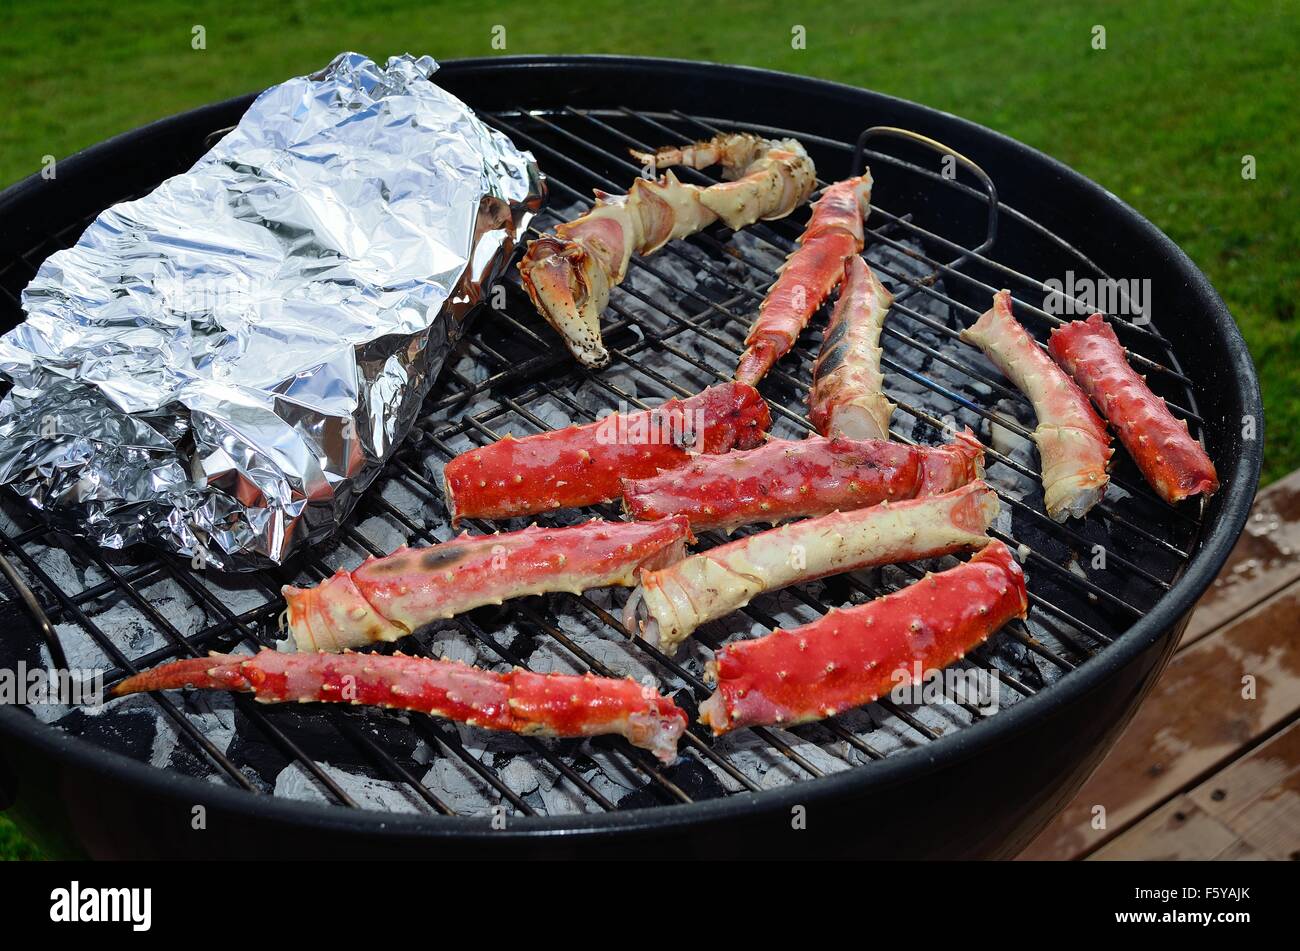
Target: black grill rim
x,y
1228,512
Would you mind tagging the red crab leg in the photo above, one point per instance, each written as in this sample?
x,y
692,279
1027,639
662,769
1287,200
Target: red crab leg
x,y
786,479
387,598
583,465
1072,441
1173,462
516,702
847,396
808,276
853,656
673,601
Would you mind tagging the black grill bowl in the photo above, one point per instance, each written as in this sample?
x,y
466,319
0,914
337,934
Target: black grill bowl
x,y
980,791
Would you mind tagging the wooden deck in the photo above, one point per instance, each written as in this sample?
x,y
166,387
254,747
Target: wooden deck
x,y
1210,766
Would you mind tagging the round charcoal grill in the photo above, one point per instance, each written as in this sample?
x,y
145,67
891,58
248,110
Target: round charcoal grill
x,y
958,212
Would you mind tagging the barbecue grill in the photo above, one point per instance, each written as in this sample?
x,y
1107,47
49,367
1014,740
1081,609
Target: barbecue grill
x,y
947,777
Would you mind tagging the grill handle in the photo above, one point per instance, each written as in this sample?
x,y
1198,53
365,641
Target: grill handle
x,y
37,612
907,135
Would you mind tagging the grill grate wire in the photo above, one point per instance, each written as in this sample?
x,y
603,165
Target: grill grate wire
x,y
1057,638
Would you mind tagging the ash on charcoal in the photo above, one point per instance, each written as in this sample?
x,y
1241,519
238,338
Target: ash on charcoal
x,y
1010,656
615,654
462,442
214,720
383,533
462,789
403,496
767,767
471,368
552,659
453,645
82,650
121,623
237,593
562,799
520,775
630,385
551,412
613,767
786,770
65,571
1008,441
177,606
295,782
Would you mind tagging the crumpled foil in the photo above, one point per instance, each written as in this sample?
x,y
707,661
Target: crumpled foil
x,y
222,366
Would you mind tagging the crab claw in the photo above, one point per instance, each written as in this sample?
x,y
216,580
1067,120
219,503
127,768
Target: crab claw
x,y
570,290
214,672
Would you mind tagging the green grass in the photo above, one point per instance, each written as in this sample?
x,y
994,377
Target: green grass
x,y
14,845
1162,117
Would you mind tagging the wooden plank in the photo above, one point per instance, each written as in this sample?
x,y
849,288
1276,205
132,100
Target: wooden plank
x,y
1240,852
1250,809
1265,560
1177,831
1195,719
1258,796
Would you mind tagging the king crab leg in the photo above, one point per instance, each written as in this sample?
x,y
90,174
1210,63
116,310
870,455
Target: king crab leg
x,y
387,598
569,275
787,479
561,705
853,656
847,396
673,601
809,274
584,465
1072,441
1174,463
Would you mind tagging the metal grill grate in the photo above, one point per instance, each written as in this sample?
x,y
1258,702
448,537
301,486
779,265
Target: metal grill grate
x,y
675,326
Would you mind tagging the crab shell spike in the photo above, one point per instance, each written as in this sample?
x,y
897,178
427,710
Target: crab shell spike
x,y
387,598
584,465
784,676
786,479
1091,353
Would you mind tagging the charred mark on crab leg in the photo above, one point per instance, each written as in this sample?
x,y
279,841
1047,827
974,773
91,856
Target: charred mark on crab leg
x,y
569,275
672,602
847,396
387,598
561,705
853,656
787,479
809,274
1072,441
584,465
1174,463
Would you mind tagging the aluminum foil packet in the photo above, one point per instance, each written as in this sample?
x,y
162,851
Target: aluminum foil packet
x,y
222,366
